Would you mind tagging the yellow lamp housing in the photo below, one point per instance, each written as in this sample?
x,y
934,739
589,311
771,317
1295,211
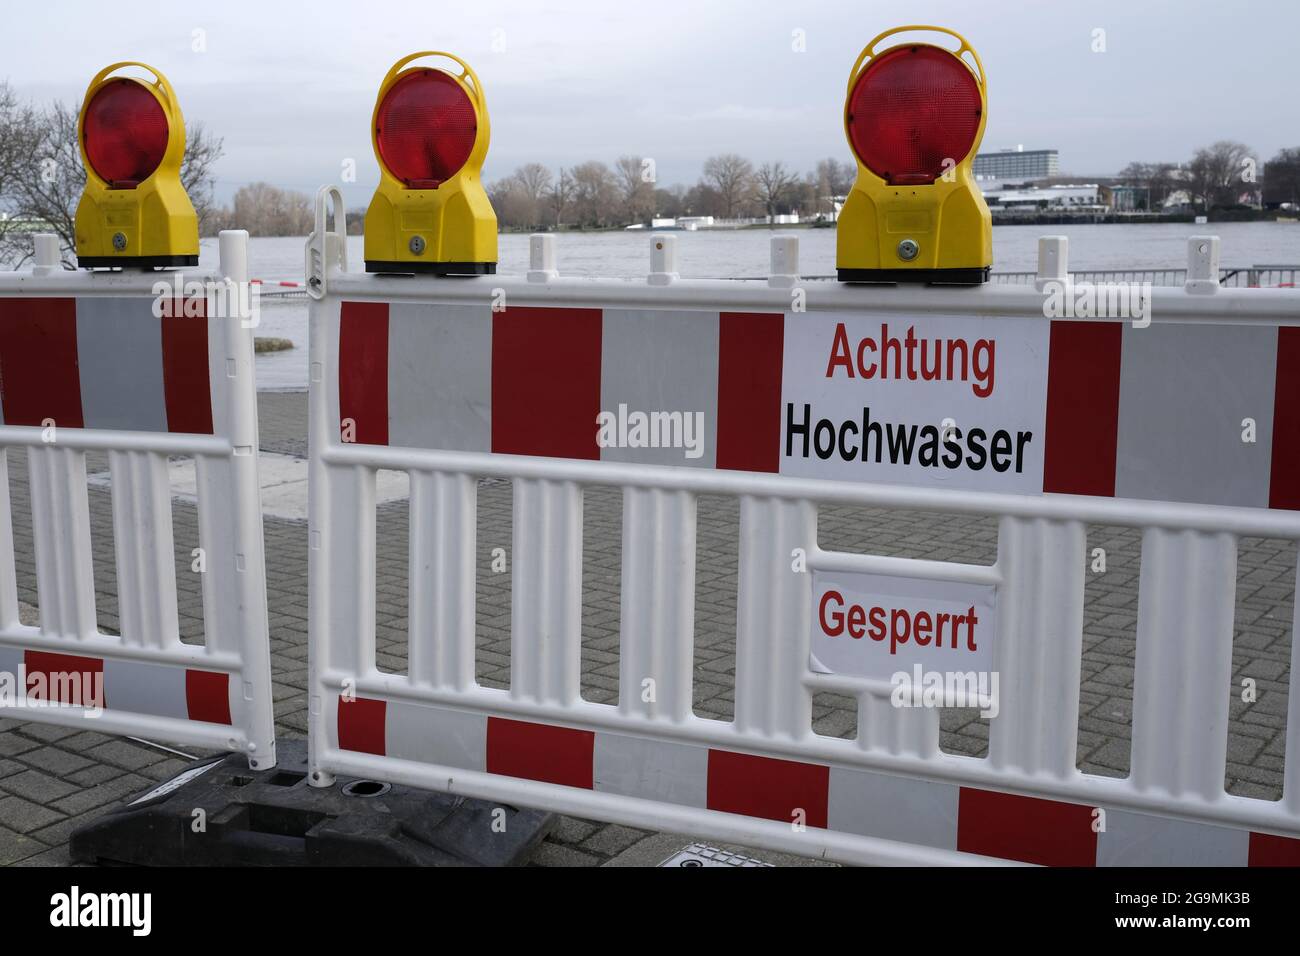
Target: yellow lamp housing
x,y
430,213
134,211
914,116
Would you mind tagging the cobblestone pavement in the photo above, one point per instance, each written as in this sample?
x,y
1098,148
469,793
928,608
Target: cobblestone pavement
x,y
53,779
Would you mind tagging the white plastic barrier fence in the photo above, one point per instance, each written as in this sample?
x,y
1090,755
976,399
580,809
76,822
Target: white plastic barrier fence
x,y
806,394
143,366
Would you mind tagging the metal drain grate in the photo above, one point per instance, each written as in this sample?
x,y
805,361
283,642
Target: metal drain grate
x,y
701,854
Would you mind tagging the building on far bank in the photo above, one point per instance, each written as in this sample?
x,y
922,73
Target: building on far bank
x,y
1125,198
1006,200
1018,163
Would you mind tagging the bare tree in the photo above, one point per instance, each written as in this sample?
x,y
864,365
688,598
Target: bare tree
x,y
775,186
534,180
1156,178
266,210
1218,174
836,177
559,196
202,150
637,192
15,123
45,183
520,199
595,194
732,178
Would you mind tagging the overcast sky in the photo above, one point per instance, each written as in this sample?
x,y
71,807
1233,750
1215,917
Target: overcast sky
x,y
290,86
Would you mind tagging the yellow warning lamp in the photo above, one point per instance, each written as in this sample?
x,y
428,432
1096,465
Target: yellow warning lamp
x,y
430,213
914,116
134,210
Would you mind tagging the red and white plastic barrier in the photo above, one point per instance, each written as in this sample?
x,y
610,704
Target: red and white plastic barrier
x,y
144,367
517,377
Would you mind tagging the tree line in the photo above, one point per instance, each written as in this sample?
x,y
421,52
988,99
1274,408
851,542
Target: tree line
x,y
1220,176
594,195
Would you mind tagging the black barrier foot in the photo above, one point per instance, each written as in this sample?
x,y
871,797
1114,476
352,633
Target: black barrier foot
x,y
220,813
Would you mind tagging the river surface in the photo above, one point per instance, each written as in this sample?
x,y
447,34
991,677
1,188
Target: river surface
x,y
719,254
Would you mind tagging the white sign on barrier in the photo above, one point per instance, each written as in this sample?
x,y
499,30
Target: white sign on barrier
x,y
876,625
938,400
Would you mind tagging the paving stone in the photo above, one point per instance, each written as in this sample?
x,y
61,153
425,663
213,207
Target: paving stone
x,y
55,856
612,839
12,744
56,761
17,846
94,774
36,786
23,816
127,755
572,830
555,854
114,791
84,741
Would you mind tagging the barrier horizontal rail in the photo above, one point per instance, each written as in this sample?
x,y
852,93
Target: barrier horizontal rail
x,y
140,367
452,380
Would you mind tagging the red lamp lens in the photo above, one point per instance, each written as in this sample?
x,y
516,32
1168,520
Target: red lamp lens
x,y
125,132
912,108
425,128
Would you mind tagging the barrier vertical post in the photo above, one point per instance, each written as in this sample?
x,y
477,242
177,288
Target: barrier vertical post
x,y
47,254
783,270
1039,645
1053,261
1291,775
773,607
541,258
1202,265
1187,594
663,260
248,566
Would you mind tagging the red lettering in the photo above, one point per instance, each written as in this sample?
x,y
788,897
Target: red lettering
x,y
939,620
877,617
921,625
837,617
899,623
857,618
897,615
840,354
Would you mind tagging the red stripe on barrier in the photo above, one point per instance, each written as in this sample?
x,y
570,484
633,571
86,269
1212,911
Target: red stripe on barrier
x,y
749,390
186,387
546,382
1284,479
361,725
518,748
1268,850
39,377
67,678
207,696
363,372
768,788
1082,408
1029,829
